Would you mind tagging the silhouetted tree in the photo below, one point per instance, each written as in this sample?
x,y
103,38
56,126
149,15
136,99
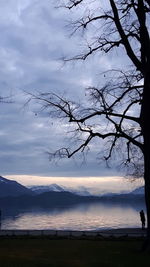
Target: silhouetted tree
x,y
123,102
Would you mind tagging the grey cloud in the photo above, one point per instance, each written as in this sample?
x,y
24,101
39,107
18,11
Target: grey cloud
x,y
33,38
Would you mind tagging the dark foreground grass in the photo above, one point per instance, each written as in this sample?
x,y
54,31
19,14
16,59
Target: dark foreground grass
x,y
72,253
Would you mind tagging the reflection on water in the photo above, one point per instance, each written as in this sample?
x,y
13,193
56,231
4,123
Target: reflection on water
x,y
91,216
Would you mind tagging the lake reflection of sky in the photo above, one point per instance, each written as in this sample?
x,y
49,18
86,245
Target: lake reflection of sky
x,y
82,217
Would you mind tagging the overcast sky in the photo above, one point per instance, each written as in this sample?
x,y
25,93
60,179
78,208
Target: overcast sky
x,y
34,37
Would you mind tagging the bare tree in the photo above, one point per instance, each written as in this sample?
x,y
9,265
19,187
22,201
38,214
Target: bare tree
x,y
124,101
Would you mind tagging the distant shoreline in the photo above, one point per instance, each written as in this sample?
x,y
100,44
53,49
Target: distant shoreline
x,y
118,232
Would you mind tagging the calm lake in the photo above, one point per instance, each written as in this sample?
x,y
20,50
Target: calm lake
x,y
91,216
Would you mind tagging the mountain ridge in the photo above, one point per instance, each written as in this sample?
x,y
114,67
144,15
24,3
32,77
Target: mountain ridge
x,y
12,188
82,190
11,192
61,199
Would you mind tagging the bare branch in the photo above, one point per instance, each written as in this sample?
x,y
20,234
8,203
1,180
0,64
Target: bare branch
x,y
124,38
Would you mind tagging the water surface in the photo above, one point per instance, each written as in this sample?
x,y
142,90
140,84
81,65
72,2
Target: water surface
x,y
93,216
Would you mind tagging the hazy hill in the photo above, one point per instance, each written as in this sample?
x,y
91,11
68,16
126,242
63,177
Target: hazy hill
x,y
12,188
39,189
14,194
47,199
61,199
83,191
80,190
138,191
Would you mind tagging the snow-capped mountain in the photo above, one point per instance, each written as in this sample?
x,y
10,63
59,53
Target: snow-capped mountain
x,y
47,188
12,188
81,190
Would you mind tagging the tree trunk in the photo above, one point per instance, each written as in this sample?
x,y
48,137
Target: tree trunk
x,y
147,195
145,125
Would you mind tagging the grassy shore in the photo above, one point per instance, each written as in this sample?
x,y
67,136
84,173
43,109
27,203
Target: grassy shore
x,y
37,252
